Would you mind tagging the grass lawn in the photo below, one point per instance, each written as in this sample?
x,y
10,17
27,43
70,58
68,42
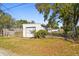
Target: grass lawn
x,y
37,47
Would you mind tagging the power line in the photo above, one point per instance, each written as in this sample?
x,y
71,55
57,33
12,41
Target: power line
x,y
13,6
5,8
8,9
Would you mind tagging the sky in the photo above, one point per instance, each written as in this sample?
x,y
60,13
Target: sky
x,y
24,11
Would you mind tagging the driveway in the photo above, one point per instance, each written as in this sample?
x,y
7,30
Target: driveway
x,y
4,52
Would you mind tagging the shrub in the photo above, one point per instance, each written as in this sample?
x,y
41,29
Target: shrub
x,y
40,34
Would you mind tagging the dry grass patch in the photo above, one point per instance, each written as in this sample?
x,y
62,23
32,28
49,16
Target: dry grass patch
x,y
24,46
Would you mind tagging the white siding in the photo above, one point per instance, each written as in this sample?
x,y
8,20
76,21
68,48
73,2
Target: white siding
x,y
26,32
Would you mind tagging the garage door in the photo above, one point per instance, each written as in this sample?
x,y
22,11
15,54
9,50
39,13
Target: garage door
x,y
29,31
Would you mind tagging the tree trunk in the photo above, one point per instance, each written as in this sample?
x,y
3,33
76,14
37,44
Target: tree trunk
x,y
2,32
65,35
74,34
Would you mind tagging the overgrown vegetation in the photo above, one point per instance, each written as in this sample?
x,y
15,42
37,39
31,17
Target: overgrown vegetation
x,y
68,13
8,22
40,34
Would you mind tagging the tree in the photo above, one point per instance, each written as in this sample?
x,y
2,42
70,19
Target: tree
x,y
32,22
56,10
6,21
78,30
75,13
68,13
1,25
18,23
45,9
53,24
63,11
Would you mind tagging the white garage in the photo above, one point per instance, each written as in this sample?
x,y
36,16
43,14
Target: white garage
x,y
29,28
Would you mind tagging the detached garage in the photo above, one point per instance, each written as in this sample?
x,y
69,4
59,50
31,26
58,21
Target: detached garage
x,y
29,28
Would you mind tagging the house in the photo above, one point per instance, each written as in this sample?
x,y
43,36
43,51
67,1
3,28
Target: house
x,y
52,30
29,28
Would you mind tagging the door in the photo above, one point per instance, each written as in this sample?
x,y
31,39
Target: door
x,y
29,31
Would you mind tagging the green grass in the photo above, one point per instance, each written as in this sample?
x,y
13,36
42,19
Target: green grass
x,y
39,47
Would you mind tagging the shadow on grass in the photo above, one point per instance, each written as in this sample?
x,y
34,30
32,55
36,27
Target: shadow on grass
x,y
73,41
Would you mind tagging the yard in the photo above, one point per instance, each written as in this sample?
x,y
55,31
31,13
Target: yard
x,y
39,47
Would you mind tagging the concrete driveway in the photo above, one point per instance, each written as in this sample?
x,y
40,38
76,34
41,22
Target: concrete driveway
x,y
4,52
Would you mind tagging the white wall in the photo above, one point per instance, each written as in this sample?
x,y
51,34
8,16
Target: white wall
x,y
37,26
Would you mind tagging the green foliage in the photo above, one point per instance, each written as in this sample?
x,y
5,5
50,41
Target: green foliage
x,y
52,24
68,13
40,34
45,9
18,23
6,21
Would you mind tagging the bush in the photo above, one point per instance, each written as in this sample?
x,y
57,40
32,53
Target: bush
x,y
40,34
